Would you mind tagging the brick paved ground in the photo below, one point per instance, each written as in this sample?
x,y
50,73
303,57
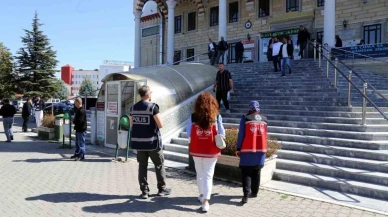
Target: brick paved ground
x,y
37,179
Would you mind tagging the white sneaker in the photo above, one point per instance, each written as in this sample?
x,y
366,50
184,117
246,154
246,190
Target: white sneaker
x,y
200,199
205,207
227,111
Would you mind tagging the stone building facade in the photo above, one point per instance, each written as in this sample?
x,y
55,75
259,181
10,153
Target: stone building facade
x,y
253,21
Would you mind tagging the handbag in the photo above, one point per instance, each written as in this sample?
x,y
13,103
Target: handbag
x,y
220,142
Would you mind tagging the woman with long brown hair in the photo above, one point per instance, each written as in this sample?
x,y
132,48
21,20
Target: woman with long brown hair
x,y
204,124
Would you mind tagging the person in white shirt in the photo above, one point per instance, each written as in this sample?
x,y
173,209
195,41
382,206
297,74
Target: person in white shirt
x,y
285,54
212,51
275,54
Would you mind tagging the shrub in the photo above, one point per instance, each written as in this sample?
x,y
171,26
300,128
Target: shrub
x,y
48,121
231,143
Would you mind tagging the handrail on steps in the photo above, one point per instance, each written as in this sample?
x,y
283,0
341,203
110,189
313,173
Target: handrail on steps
x,y
348,78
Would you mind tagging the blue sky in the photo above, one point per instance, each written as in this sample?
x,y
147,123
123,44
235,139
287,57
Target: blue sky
x,y
83,32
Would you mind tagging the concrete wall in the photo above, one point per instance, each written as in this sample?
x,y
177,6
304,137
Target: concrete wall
x,y
355,12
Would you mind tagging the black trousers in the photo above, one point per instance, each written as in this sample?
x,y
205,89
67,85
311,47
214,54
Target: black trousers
x,y
222,95
157,158
239,57
276,63
25,123
250,179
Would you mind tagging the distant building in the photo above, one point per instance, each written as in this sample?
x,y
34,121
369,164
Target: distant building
x,y
74,78
112,66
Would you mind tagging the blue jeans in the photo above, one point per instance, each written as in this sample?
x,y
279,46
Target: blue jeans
x,y
7,124
80,140
287,61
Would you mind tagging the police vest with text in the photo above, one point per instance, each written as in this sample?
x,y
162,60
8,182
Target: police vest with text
x,y
202,142
145,135
255,139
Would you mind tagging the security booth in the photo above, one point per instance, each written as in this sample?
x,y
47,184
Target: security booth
x,y
170,85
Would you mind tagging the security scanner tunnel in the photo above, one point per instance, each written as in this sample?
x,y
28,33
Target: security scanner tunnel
x,y
170,86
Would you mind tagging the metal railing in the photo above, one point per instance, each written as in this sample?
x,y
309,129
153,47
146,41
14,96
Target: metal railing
x,y
190,59
324,52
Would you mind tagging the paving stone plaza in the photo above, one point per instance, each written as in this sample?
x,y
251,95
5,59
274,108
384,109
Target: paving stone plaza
x,y
38,179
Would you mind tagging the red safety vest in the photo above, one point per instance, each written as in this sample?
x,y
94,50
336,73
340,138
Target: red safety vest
x,y
255,137
203,143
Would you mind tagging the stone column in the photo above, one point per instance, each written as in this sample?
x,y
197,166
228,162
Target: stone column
x,y
137,38
222,22
329,23
170,31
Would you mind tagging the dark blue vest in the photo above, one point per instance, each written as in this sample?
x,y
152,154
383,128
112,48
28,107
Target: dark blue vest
x,y
145,135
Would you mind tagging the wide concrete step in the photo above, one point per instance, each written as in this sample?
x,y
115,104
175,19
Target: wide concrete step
x,y
367,176
378,155
333,160
181,141
243,94
323,126
338,184
176,148
340,142
308,113
289,102
314,119
241,108
178,157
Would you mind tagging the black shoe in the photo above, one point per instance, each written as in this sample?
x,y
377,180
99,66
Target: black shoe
x,y
144,196
79,159
7,141
73,157
11,138
289,73
253,195
164,192
244,200
282,75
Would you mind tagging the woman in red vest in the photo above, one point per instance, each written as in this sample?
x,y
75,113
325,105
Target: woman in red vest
x,y
251,148
202,129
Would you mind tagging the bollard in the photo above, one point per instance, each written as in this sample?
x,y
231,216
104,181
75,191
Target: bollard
x,y
66,129
327,65
363,122
350,89
335,72
319,55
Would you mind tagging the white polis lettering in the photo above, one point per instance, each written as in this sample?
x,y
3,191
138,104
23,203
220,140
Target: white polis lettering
x,y
141,119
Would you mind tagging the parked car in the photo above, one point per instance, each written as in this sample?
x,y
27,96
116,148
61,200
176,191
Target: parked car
x,y
16,104
59,108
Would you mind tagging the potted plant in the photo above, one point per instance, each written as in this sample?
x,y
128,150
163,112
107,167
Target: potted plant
x,y
228,164
46,131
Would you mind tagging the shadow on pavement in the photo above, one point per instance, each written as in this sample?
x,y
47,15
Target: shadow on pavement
x,y
133,203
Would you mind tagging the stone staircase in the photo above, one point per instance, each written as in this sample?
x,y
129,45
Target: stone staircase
x,y
323,142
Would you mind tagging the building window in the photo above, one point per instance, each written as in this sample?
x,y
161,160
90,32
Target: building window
x,y
233,12
178,24
372,34
321,3
192,18
292,5
214,16
263,8
190,54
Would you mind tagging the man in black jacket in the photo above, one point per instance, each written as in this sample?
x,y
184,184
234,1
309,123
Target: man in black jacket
x,y
80,126
222,48
26,113
285,54
303,38
8,111
239,49
39,108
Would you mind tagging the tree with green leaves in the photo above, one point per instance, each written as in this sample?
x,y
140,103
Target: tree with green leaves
x,y
63,92
36,63
7,82
87,87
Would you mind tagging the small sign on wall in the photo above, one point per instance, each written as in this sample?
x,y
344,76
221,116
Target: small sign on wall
x,y
154,30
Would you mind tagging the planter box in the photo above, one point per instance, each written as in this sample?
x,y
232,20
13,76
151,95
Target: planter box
x,y
46,133
228,167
